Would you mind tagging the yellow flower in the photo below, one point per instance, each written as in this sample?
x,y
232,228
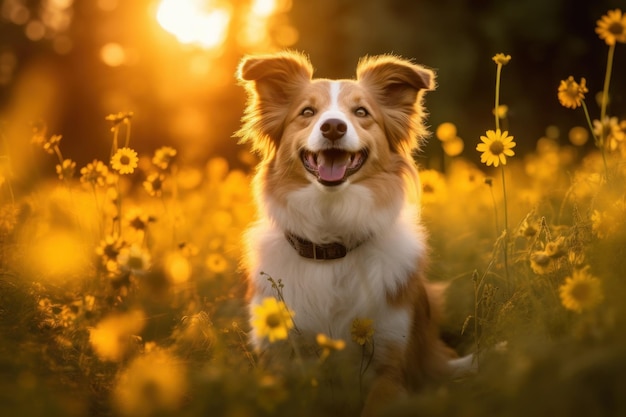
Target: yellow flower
x,y
178,269
118,118
217,168
540,262
501,59
602,129
216,263
328,345
362,331
446,131
612,27
610,132
66,169
434,188
109,248
153,384
581,291
95,173
50,145
602,224
571,94
272,392
464,177
9,215
163,157
124,161
154,184
502,111
617,136
496,147
272,319
40,131
578,135
112,338
134,259
89,302
528,228
453,147
138,220
556,248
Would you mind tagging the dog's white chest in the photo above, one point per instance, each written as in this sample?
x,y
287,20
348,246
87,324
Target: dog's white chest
x,y
327,295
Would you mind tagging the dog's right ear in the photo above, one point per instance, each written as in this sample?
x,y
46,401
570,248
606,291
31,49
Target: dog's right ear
x,y
271,82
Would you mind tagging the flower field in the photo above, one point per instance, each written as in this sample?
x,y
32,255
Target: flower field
x,y
120,292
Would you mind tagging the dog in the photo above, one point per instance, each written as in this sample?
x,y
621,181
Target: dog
x,y
338,195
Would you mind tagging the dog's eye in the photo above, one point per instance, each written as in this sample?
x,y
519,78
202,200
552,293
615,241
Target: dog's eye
x,y
307,112
361,112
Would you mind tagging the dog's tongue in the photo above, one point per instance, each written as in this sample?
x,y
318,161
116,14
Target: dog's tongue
x,y
332,165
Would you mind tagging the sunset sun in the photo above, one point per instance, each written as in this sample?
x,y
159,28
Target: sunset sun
x,y
195,22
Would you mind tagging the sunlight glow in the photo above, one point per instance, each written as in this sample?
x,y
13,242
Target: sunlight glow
x,y
195,22
177,268
113,54
57,255
263,8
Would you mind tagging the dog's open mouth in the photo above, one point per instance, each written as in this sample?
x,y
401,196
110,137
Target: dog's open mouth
x,y
333,166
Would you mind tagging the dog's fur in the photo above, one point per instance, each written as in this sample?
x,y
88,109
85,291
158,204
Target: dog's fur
x,y
366,198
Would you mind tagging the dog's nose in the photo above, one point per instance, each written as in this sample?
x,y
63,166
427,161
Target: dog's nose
x,y
333,129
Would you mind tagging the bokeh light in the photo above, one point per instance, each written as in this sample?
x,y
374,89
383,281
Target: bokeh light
x,y
57,254
446,131
195,22
154,384
113,54
578,135
454,146
177,268
112,337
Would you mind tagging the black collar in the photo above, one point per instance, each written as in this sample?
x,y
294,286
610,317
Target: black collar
x,y
310,250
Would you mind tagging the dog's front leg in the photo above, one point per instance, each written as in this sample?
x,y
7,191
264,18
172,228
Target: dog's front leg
x,y
388,386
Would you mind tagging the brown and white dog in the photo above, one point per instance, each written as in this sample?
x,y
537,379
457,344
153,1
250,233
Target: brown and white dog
x,y
339,217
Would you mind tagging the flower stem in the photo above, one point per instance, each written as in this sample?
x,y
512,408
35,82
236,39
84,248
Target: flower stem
x,y
506,230
506,223
596,139
495,208
98,209
599,141
495,111
476,323
607,81
119,207
114,146
605,100
127,142
364,366
58,153
5,145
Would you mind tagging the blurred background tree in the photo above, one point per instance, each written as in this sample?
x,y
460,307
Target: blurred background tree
x,y
70,63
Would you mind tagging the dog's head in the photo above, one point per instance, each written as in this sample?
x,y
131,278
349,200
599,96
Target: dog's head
x,y
335,128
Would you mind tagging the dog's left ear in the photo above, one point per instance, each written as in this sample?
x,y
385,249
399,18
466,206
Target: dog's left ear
x,y
271,82
398,85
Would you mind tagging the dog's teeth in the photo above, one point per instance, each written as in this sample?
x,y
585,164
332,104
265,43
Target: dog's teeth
x,y
311,159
